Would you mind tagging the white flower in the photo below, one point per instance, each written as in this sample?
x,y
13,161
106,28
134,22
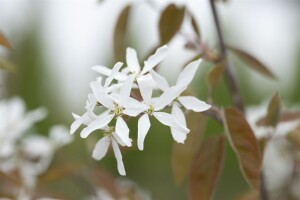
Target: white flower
x,y
133,66
188,102
101,148
116,107
15,121
154,106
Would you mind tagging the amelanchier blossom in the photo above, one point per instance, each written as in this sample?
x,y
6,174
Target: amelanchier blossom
x,y
23,150
278,155
112,102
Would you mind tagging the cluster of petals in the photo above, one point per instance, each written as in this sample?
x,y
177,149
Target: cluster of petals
x,y
111,93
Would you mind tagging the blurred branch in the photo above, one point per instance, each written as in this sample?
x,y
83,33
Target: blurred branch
x,y
237,99
214,113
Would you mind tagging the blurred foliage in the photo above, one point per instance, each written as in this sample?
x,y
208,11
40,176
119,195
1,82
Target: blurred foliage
x,y
193,165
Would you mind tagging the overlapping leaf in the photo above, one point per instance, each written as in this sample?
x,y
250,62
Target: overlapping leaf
x,y
206,168
245,145
120,33
195,27
253,62
273,113
170,22
215,74
183,153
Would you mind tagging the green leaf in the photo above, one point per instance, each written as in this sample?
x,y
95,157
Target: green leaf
x,y
183,153
206,168
215,74
7,65
4,42
120,33
245,145
170,22
273,110
195,26
253,62
273,113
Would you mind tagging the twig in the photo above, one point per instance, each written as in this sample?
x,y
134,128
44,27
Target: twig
x,y
237,99
214,113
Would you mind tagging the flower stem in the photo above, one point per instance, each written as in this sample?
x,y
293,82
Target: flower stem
x,y
236,95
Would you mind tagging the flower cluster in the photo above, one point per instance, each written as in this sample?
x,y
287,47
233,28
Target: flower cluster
x,y
123,93
21,150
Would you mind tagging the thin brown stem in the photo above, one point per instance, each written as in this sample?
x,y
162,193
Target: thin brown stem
x,y
236,95
214,113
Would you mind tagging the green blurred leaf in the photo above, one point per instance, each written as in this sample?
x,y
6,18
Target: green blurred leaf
x,y
4,42
206,168
7,65
215,74
273,113
120,33
253,62
183,153
273,110
170,22
195,26
245,145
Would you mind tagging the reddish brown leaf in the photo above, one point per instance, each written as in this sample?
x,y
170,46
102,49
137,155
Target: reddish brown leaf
x,y
183,153
273,113
195,26
170,22
245,145
253,62
120,33
289,116
215,74
206,168
4,42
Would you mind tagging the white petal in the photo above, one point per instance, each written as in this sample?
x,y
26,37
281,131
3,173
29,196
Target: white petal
x,y
143,128
114,87
106,71
168,96
188,73
125,90
132,61
75,125
118,156
160,81
192,103
101,148
99,123
145,86
118,139
133,112
169,120
113,73
122,131
180,117
178,114
178,136
153,60
101,95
